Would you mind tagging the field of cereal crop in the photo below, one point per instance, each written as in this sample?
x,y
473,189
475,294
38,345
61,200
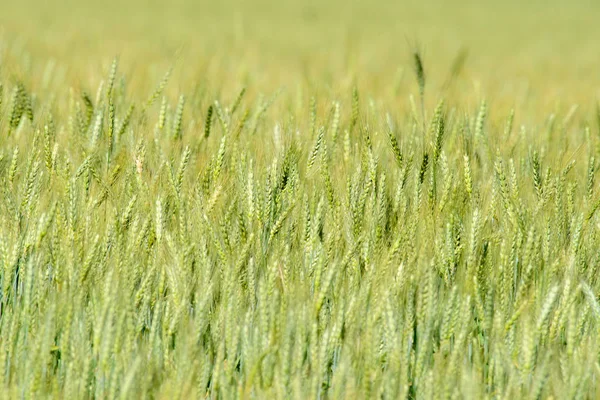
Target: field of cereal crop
x,y
305,200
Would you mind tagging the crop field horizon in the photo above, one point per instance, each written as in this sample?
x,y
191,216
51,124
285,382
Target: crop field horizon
x,y
299,200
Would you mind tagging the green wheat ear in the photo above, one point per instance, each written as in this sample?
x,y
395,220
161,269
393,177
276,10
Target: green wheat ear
x,y
159,89
355,108
208,122
112,75
177,130
16,108
89,109
423,169
395,147
238,101
420,75
419,71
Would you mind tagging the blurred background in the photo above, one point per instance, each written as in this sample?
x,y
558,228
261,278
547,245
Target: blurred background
x,y
535,52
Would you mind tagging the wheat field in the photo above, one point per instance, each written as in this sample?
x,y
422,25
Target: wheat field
x,y
299,200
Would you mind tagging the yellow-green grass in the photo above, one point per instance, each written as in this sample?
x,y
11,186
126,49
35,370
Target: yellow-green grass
x,y
252,200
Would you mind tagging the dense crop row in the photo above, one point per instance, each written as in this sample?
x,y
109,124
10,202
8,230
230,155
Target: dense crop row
x,y
259,247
